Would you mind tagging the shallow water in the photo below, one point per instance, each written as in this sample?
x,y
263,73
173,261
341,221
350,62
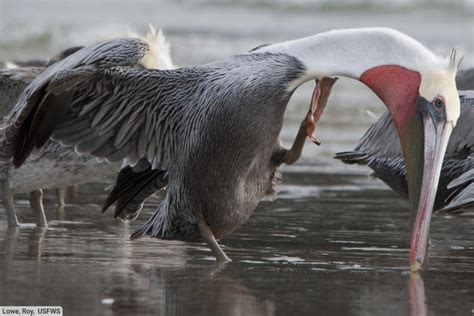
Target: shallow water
x,y
330,244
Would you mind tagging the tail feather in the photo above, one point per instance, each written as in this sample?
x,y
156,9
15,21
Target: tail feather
x,y
461,201
132,189
170,221
353,157
145,228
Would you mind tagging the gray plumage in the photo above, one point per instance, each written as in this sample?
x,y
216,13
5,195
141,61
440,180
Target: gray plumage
x,y
12,83
465,79
14,80
380,149
214,129
133,186
54,165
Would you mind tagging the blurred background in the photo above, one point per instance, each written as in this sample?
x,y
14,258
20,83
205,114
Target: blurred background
x,y
201,31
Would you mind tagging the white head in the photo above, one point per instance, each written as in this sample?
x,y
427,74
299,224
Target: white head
x,y
158,57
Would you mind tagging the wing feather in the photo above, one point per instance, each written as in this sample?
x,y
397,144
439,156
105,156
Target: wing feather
x,y
98,101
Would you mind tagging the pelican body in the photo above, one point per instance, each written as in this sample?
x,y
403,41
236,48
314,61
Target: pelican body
x,y
211,132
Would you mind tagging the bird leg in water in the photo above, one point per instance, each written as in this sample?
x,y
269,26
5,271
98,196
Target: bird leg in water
x,y
36,204
61,195
208,236
308,125
7,198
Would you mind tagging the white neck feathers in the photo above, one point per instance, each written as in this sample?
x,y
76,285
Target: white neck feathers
x,y
349,53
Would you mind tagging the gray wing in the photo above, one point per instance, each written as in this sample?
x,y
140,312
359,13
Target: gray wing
x,y
463,192
12,83
132,187
462,138
14,80
465,79
89,102
380,149
460,190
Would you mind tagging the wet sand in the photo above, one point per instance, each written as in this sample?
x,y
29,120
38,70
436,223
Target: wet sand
x,y
331,243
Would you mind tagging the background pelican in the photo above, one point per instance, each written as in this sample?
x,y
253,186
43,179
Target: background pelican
x,y
56,166
15,76
465,79
213,130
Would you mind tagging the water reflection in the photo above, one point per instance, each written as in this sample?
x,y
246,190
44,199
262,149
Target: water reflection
x,y
129,287
60,212
341,252
34,242
210,293
417,295
9,243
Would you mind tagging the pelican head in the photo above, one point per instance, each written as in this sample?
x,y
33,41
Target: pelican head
x,y
425,107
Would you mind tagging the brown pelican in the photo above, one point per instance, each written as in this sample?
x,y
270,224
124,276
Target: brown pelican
x,y
211,132
380,149
55,165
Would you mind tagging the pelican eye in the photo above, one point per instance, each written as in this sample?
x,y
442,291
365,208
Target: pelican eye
x,y
438,103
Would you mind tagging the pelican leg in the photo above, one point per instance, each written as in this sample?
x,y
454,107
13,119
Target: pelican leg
x,y
7,198
208,236
61,195
36,204
294,153
308,125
